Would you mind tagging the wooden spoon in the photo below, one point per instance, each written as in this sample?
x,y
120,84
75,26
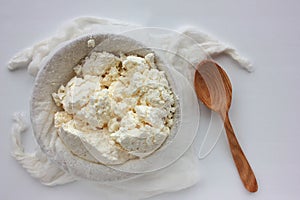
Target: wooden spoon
x,y
214,89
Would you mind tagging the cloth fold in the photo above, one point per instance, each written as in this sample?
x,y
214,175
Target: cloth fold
x,y
36,163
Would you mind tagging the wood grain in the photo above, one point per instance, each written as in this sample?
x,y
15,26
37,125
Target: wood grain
x,y
245,171
214,89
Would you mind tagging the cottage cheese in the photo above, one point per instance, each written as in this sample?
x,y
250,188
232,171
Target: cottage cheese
x,y
123,105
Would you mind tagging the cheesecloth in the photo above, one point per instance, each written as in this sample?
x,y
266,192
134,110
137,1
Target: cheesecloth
x,y
188,43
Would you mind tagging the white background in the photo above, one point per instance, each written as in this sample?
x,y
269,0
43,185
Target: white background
x,y
265,108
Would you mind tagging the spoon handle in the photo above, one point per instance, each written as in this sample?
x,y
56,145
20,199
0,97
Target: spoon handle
x,y
245,171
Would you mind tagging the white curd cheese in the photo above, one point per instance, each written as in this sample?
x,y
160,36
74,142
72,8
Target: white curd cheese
x,y
123,106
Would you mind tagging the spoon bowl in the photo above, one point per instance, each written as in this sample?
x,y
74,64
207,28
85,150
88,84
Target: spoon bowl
x,y
213,86
214,89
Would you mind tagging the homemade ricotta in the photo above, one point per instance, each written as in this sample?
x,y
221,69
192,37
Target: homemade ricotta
x,y
123,106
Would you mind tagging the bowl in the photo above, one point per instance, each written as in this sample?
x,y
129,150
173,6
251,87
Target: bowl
x,y
69,153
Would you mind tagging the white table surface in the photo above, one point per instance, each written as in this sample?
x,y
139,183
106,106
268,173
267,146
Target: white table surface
x,y
265,108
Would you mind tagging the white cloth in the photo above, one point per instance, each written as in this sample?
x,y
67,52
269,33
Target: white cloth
x,y
189,43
